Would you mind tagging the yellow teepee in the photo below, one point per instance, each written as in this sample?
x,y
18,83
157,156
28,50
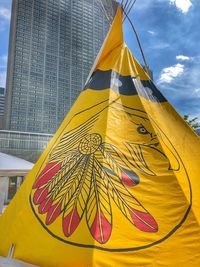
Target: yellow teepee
x,y
118,185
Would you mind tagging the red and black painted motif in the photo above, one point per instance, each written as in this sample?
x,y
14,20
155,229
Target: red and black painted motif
x,y
85,177
84,183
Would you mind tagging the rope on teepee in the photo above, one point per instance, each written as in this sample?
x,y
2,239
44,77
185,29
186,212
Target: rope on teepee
x,y
139,43
130,8
127,6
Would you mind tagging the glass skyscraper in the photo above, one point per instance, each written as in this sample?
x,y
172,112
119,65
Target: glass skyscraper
x,y
2,100
53,44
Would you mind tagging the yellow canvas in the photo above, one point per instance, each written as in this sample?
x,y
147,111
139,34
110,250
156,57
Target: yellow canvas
x,y
118,185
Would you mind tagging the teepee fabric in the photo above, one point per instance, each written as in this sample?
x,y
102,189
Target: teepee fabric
x,y
118,185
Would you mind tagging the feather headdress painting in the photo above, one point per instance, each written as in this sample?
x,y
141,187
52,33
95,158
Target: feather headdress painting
x,y
118,185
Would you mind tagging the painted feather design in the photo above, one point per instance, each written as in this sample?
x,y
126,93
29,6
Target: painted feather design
x,y
82,176
98,210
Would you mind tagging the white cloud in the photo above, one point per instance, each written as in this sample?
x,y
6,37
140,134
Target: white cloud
x,y
151,32
5,13
169,74
3,79
197,92
183,58
184,91
159,45
183,5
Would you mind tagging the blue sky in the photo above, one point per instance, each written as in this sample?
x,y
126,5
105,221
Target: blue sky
x,y
170,37
5,6
169,33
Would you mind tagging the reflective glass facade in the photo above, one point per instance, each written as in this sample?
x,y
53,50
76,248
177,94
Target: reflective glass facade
x,y
53,44
2,100
24,145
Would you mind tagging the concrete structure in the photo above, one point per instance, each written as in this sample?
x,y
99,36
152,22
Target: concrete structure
x,y
12,173
2,105
53,44
2,100
25,145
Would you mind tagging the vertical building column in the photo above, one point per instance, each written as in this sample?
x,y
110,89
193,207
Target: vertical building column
x,y
29,71
10,68
58,60
70,79
19,181
45,46
4,181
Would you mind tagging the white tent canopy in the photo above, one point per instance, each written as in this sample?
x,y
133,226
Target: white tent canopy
x,y
13,166
6,262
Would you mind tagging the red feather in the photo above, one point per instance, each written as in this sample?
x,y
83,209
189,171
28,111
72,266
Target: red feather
x,y
47,173
53,212
143,221
129,177
126,180
40,195
101,228
45,205
70,222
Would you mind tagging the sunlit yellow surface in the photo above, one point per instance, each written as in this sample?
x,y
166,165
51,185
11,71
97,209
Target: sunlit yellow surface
x,y
111,133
